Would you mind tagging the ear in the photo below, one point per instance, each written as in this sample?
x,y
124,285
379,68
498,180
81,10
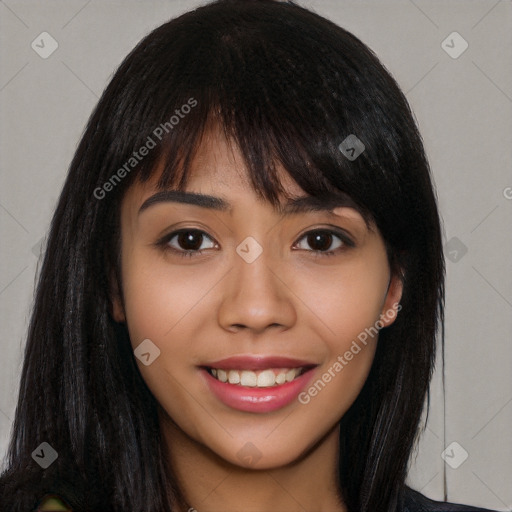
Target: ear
x,y
116,300
392,305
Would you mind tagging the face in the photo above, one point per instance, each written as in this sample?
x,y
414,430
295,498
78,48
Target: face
x,y
283,306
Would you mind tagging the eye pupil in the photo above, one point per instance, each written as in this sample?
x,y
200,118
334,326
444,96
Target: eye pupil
x,y
320,241
190,240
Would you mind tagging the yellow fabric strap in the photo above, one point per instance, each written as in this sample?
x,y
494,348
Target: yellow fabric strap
x,y
53,504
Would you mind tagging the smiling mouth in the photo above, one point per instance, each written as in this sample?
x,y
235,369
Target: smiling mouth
x,y
267,378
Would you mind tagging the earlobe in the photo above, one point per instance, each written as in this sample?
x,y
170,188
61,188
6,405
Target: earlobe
x,y
116,303
117,311
392,305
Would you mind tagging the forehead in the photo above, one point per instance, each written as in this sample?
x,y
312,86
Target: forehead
x,y
219,162
217,165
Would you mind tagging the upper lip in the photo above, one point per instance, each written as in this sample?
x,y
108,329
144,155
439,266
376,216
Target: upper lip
x,y
258,363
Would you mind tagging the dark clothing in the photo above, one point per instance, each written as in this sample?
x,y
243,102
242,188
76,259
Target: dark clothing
x,y
416,502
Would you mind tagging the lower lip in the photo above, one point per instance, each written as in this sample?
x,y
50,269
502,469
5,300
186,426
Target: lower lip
x,y
257,399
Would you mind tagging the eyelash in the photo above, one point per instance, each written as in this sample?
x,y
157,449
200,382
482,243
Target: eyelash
x,y
163,243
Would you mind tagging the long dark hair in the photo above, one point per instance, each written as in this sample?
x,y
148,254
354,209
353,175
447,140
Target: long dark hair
x,y
288,86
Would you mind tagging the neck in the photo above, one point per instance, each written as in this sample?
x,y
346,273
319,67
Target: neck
x,y
210,483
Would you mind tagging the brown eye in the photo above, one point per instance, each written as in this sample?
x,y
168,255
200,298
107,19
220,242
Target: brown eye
x,y
324,241
319,241
189,240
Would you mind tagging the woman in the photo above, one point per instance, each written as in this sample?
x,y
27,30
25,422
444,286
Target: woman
x,y
194,345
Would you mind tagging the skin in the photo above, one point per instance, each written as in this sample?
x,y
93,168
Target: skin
x,y
289,302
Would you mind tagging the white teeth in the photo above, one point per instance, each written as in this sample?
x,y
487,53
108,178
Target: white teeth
x,y
280,378
266,379
290,375
233,377
248,379
263,379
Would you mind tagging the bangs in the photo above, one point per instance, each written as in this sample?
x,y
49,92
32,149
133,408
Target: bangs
x,y
262,153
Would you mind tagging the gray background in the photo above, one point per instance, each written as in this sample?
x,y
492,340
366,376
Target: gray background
x,y
463,107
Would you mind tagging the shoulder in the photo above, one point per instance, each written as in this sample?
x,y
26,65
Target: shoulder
x,y
52,503
416,502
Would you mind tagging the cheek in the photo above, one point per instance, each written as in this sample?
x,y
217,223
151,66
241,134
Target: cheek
x,y
171,305
163,303
346,300
345,305
160,297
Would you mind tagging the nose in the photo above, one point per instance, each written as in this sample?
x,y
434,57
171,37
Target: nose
x,y
256,297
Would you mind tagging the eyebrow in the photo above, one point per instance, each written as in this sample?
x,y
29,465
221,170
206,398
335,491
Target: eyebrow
x,y
297,205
